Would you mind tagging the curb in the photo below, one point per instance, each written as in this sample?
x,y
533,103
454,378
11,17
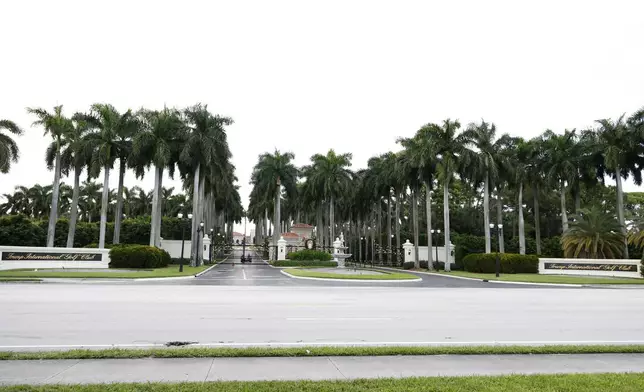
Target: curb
x,y
493,281
352,280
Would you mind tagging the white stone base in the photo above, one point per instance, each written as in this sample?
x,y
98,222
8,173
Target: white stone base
x,y
622,268
18,257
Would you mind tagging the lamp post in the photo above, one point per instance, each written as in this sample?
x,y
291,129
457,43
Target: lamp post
x,y
438,231
498,228
183,237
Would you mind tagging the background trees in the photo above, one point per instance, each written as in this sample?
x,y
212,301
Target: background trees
x,y
9,151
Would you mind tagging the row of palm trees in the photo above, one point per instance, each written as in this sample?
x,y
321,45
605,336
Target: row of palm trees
x,y
192,140
438,156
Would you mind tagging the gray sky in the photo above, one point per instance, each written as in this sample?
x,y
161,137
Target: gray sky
x,y
308,76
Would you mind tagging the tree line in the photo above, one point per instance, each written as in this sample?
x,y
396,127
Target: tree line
x,y
467,169
191,140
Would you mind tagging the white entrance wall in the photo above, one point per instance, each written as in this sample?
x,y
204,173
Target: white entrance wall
x,y
15,257
624,268
423,253
174,248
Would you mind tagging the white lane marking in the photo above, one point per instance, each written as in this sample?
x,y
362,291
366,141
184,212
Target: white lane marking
x,y
339,318
244,273
345,344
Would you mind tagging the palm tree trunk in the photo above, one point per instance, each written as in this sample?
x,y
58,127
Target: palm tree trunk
x,y
159,210
276,224
319,231
564,215
620,208
486,214
331,220
521,222
200,217
155,201
499,219
428,211
119,204
103,224
397,227
195,207
416,225
448,266
265,224
73,215
53,214
389,228
379,223
537,220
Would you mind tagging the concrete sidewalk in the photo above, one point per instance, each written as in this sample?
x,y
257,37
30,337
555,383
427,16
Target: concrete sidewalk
x,y
311,368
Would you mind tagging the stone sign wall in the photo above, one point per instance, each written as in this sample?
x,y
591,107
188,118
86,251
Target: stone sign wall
x,y
15,257
597,267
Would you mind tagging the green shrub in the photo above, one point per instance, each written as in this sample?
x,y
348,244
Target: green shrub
x,y
423,264
138,256
465,244
511,263
409,265
304,263
309,254
19,230
440,266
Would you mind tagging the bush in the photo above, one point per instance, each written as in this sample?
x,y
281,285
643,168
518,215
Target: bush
x,y
439,265
138,256
19,230
423,264
304,263
466,244
309,254
511,263
409,265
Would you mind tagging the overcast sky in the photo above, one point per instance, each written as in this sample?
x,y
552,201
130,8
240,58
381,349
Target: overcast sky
x,y
307,76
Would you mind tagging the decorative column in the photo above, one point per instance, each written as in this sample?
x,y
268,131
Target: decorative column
x,y
206,247
281,249
337,250
408,249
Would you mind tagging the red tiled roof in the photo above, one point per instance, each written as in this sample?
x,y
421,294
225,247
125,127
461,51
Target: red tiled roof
x,y
301,226
289,235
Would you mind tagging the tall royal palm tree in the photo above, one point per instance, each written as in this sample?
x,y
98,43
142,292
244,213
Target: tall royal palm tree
x,y
205,148
9,151
161,137
74,156
106,144
452,155
58,127
270,174
330,177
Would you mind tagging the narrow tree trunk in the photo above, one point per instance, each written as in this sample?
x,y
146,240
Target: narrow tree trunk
x,y
416,225
195,208
448,266
155,201
73,214
360,231
200,218
428,211
537,220
397,228
319,237
266,225
119,204
564,215
159,209
332,219
379,223
499,220
389,242
276,225
103,224
620,208
486,214
53,213
521,222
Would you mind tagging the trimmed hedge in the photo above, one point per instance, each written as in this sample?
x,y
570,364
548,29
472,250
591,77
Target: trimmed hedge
x,y
465,244
511,263
409,265
310,255
304,263
440,266
138,256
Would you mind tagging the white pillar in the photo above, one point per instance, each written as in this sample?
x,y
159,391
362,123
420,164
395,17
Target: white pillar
x,y
206,248
408,249
337,244
281,249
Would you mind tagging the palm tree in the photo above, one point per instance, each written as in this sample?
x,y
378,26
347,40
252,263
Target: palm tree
x,y
270,174
106,146
331,178
594,234
159,142
9,151
452,155
74,156
205,147
58,126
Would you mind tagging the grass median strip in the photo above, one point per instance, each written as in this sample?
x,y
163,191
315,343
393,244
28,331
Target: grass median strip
x,y
536,278
166,272
383,275
517,383
229,352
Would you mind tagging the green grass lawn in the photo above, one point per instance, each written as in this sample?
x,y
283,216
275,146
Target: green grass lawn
x,y
386,275
169,271
534,383
536,278
321,351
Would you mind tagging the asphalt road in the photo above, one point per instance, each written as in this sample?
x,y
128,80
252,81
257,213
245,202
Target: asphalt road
x,y
68,315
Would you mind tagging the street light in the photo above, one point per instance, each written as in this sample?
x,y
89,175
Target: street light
x,y
438,231
499,228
